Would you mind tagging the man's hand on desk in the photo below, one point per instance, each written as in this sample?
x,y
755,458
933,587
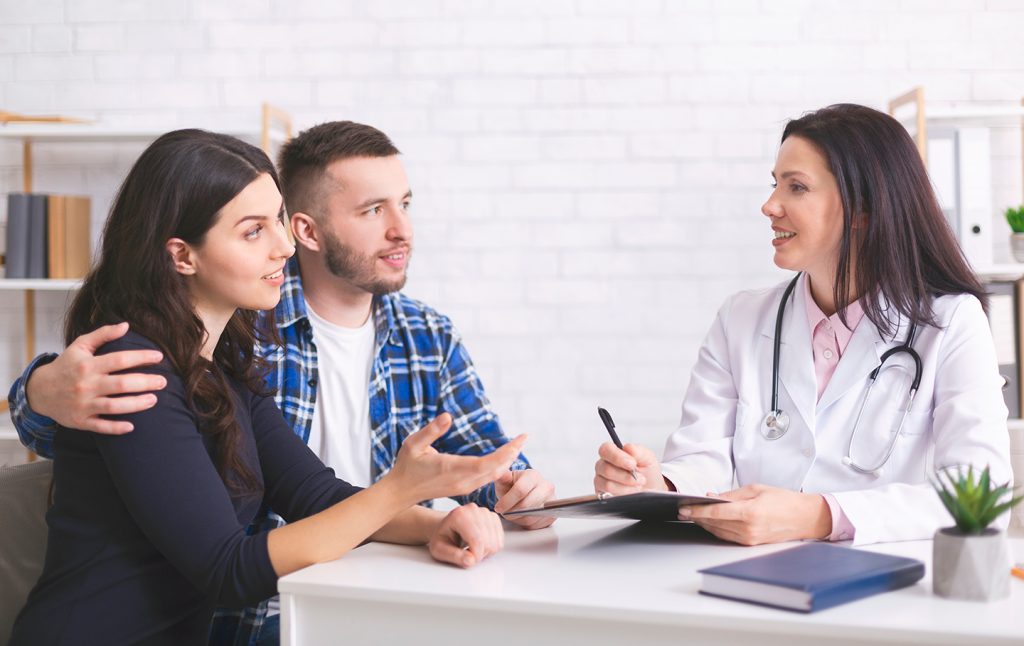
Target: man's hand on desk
x,y
77,387
760,514
613,472
524,489
466,536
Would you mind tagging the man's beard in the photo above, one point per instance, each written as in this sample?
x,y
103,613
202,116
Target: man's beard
x,y
345,262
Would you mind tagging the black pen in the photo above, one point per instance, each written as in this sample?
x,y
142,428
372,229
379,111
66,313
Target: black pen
x,y
610,425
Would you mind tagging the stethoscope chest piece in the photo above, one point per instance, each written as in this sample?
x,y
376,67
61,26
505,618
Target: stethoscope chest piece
x,y
776,423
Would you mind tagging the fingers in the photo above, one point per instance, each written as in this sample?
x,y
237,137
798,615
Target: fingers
x,y
644,456
618,475
501,459
530,490
107,427
96,339
505,482
533,522
743,493
468,535
115,362
604,485
124,405
429,433
616,457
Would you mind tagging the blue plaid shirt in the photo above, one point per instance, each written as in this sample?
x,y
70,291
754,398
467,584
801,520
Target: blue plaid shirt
x,y
420,369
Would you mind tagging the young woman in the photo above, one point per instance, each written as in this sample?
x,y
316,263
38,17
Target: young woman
x,y
781,400
147,532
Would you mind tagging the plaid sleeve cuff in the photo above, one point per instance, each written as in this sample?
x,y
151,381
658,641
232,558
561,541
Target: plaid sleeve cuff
x,y
34,430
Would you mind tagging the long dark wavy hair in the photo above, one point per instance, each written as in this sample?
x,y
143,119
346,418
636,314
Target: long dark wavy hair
x,y
905,251
176,189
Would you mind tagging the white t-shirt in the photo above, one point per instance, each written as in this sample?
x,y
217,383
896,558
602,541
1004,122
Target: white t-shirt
x,y
340,431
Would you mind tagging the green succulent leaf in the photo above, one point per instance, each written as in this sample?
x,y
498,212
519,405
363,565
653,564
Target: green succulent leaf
x,y
973,503
1015,218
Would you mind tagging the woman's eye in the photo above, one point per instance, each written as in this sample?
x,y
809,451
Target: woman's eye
x,y
254,232
798,188
774,185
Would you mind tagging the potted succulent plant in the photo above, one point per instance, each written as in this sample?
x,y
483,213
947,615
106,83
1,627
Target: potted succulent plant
x,y
972,560
1015,218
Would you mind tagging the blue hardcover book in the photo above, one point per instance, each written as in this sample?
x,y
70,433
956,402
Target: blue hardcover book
x,y
810,577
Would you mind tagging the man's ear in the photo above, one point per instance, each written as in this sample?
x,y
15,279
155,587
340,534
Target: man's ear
x,y
181,256
305,231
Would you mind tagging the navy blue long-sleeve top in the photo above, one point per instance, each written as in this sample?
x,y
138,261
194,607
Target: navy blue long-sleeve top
x,y
145,539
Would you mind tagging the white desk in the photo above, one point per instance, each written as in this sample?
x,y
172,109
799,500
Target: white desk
x,y
595,582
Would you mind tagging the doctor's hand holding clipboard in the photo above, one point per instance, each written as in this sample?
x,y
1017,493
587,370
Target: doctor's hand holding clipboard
x,y
759,514
821,407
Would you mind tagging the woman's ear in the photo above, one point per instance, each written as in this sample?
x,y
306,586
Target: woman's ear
x,y
305,231
860,221
181,256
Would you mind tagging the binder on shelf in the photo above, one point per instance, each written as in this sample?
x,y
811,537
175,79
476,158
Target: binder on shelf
x,y
1019,337
960,167
811,577
1002,318
78,237
56,239
69,236
17,236
37,244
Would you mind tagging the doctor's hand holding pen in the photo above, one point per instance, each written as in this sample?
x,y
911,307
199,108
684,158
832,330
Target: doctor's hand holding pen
x,y
757,514
629,469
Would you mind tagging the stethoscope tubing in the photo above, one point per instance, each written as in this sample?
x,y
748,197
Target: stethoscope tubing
x,y
776,422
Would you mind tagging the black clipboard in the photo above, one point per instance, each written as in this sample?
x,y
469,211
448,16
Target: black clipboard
x,y
646,505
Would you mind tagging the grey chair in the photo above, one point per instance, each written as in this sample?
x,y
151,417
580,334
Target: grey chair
x,y
24,498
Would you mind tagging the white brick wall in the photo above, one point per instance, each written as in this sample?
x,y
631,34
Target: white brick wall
x,y
588,173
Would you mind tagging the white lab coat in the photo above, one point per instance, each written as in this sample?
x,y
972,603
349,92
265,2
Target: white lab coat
x,y
958,417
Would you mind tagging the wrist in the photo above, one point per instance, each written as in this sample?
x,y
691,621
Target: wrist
x,y
35,394
821,515
397,491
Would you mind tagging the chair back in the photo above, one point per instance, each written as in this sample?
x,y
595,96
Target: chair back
x,y
24,499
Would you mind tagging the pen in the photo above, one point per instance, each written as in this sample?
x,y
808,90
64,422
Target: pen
x,y
1018,570
610,425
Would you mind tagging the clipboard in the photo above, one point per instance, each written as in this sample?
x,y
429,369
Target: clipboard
x,y
645,505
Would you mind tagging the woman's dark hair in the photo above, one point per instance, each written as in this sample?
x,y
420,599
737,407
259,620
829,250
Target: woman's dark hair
x,y
176,189
905,250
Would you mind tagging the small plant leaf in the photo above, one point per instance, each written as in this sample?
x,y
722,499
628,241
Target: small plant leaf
x,y
974,503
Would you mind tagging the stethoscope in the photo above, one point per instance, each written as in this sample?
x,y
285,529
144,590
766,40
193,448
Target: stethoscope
x,y
776,422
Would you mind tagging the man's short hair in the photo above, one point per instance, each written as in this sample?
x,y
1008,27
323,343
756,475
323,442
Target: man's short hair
x,y
303,161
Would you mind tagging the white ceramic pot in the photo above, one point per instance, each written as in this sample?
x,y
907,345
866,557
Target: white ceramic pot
x,y
1017,246
975,567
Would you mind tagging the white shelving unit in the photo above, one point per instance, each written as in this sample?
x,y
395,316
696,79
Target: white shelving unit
x,y
275,127
40,284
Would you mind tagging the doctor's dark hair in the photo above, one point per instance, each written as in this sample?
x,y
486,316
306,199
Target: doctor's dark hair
x,y
905,251
176,189
304,159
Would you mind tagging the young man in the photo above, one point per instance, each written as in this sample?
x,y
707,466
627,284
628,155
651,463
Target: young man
x,y
361,366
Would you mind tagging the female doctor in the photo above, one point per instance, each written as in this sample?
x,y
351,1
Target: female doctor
x,y
784,401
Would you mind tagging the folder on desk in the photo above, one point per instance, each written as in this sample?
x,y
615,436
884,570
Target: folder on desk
x,y
810,577
646,505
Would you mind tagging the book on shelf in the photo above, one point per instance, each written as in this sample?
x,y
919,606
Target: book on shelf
x,y
16,255
1003,306
37,227
48,236
810,577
